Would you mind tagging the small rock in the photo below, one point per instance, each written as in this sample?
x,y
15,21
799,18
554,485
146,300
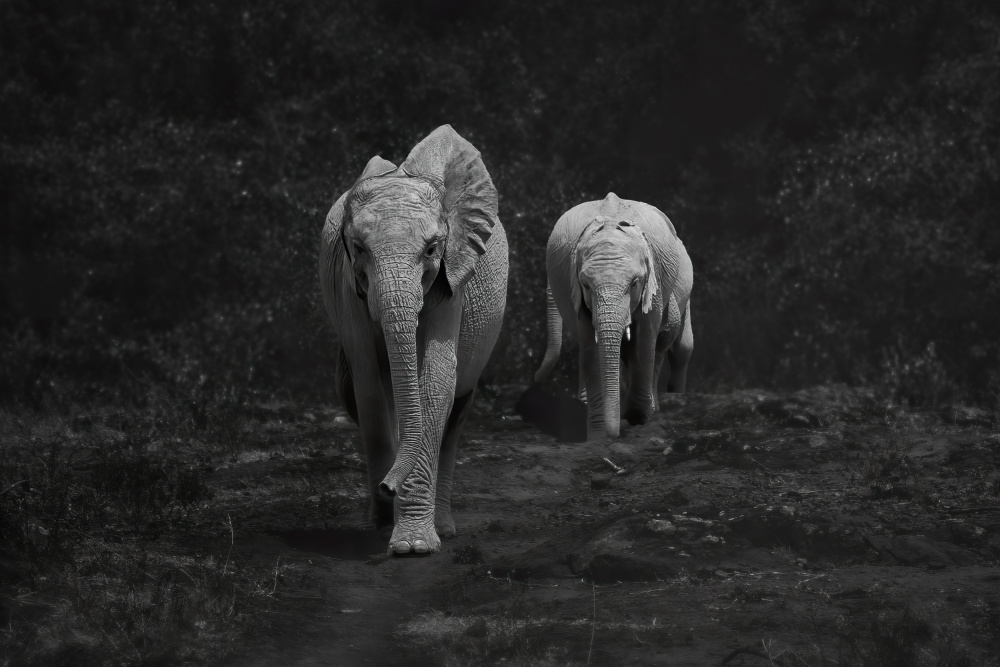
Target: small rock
x,y
661,527
496,527
656,445
598,482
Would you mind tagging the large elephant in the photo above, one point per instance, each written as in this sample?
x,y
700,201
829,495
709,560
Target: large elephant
x,y
620,279
413,269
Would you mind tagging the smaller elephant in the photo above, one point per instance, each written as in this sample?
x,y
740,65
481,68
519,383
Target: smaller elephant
x,y
620,279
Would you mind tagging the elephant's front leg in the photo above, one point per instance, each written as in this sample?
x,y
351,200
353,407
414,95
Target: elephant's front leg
x,y
641,401
414,504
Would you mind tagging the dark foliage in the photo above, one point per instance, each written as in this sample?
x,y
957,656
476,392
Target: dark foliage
x,y
165,168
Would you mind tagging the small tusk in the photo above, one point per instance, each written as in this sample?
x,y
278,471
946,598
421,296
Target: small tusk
x,y
595,336
628,333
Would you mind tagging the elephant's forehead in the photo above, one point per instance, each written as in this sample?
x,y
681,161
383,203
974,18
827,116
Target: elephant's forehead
x,y
607,261
612,243
382,206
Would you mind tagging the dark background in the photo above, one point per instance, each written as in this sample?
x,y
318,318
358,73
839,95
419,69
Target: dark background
x,y
166,166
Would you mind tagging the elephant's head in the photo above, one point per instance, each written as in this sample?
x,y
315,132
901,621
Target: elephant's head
x,y
413,235
612,273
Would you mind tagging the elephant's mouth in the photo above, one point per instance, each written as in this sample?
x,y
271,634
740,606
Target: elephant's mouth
x,y
626,333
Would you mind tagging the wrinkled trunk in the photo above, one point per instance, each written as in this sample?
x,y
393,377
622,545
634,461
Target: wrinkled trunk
x,y
610,320
398,307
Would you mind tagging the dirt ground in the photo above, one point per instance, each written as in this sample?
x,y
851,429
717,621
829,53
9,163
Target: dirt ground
x,y
747,528
750,528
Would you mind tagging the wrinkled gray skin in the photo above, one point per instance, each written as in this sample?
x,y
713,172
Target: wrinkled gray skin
x,y
413,268
620,280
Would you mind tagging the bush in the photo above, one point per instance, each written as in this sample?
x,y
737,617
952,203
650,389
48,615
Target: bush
x,y
165,172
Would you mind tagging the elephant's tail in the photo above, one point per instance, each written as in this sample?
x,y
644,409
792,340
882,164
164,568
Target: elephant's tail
x,y
554,340
345,385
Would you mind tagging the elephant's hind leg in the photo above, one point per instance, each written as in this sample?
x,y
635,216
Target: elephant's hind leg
x,y
444,523
378,445
679,355
376,432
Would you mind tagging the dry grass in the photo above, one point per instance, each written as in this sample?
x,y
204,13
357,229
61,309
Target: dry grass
x,y
93,521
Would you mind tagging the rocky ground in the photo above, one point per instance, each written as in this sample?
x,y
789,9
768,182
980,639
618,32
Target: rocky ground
x,y
816,528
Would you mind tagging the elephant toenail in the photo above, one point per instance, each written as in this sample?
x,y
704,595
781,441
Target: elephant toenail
x,y
420,547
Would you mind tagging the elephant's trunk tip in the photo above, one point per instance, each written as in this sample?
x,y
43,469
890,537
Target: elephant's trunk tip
x,y
394,479
386,491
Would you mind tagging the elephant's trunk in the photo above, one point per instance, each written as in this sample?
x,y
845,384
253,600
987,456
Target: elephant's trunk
x,y
397,307
610,320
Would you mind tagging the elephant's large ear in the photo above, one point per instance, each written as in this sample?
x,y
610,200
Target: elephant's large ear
x,y
376,167
649,291
469,202
575,288
575,293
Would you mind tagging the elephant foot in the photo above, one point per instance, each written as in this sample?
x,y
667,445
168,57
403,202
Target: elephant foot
x,y
444,523
418,540
636,417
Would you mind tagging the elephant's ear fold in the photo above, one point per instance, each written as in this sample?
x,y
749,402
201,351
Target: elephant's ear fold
x,y
376,167
469,202
576,293
649,291
575,290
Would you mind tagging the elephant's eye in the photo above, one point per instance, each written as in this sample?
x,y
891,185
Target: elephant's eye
x,y
359,250
431,249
